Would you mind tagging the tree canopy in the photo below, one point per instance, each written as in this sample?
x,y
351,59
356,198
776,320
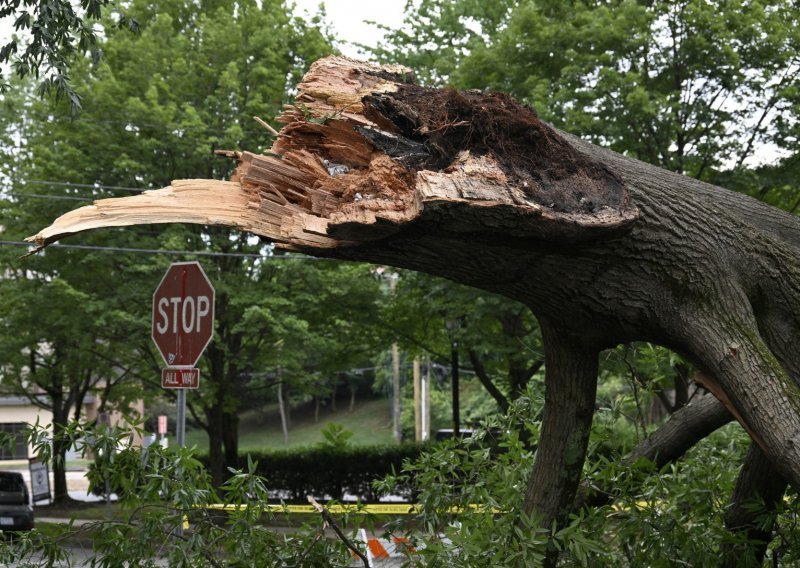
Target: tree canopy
x,y
48,36
693,87
155,108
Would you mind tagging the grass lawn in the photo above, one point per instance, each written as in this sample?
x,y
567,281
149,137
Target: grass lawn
x,y
93,511
370,422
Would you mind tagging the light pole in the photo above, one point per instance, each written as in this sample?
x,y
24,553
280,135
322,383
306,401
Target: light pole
x,y
453,325
391,278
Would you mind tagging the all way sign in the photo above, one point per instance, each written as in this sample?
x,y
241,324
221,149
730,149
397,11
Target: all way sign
x,y
180,378
183,324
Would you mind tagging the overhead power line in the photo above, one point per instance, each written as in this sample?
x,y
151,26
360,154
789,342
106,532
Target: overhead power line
x,y
83,185
160,126
166,252
53,197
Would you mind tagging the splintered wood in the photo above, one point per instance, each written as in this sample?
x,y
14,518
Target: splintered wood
x,y
319,180
321,166
354,162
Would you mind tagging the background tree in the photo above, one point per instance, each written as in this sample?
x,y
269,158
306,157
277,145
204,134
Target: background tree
x,y
58,354
49,34
690,86
155,108
56,358
498,338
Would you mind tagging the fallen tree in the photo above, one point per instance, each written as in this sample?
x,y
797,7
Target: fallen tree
x,y
474,187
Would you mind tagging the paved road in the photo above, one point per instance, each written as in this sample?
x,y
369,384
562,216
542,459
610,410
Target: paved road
x,y
79,557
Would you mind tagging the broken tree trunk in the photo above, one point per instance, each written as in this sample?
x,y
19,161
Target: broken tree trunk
x,y
475,188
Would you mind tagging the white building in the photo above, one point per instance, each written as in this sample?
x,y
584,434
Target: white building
x,y
18,412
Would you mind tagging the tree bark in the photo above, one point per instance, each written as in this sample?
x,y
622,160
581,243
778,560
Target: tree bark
x,y
60,447
570,388
474,187
681,385
222,431
758,491
230,439
681,431
216,455
486,381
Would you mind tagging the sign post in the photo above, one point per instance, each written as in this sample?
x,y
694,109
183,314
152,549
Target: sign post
x,y
183,324
180,419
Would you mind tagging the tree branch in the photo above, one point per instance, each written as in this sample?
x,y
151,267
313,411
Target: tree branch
x,y
328,519
486,381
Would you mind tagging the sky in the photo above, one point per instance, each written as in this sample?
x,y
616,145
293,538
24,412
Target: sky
x,y
347,18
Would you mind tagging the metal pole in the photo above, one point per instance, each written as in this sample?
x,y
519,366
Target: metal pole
x,y
396,427
454,361
180,422
418,417
426,404
180,435
426,399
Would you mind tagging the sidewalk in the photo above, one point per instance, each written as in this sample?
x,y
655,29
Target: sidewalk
x,y
77,484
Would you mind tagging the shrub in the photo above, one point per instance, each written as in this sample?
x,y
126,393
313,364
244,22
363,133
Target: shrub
x,y
327,471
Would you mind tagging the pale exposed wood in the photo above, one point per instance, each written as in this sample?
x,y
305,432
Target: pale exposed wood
x,y
213,203
204,202
265,125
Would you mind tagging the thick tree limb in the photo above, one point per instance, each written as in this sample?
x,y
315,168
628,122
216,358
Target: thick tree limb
x,y
473,187
570,388
326,180
486,380
681,431
752,511
684,428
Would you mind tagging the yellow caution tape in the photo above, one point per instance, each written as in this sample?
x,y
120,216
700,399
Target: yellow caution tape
x,y
370,509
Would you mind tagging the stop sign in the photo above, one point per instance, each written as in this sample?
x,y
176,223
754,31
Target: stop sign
x,y
183,314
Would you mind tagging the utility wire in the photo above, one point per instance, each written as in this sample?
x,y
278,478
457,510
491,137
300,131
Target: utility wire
x,y
71,184
51,197
85,185
68,185
160,126
167,252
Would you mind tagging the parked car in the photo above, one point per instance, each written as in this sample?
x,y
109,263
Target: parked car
x,y
447,433
16,510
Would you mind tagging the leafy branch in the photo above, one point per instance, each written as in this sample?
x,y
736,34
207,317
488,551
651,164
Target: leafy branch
x,y
52,34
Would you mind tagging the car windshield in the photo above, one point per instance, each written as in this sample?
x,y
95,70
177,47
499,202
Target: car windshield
x,y
10,482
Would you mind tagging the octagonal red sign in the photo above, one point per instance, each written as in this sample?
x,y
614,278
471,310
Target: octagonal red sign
x,y
183,314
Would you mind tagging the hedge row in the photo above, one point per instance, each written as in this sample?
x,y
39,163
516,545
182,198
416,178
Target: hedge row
x,y
326,472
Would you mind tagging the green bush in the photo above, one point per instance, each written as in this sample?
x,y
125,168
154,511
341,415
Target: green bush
x,y
326,471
